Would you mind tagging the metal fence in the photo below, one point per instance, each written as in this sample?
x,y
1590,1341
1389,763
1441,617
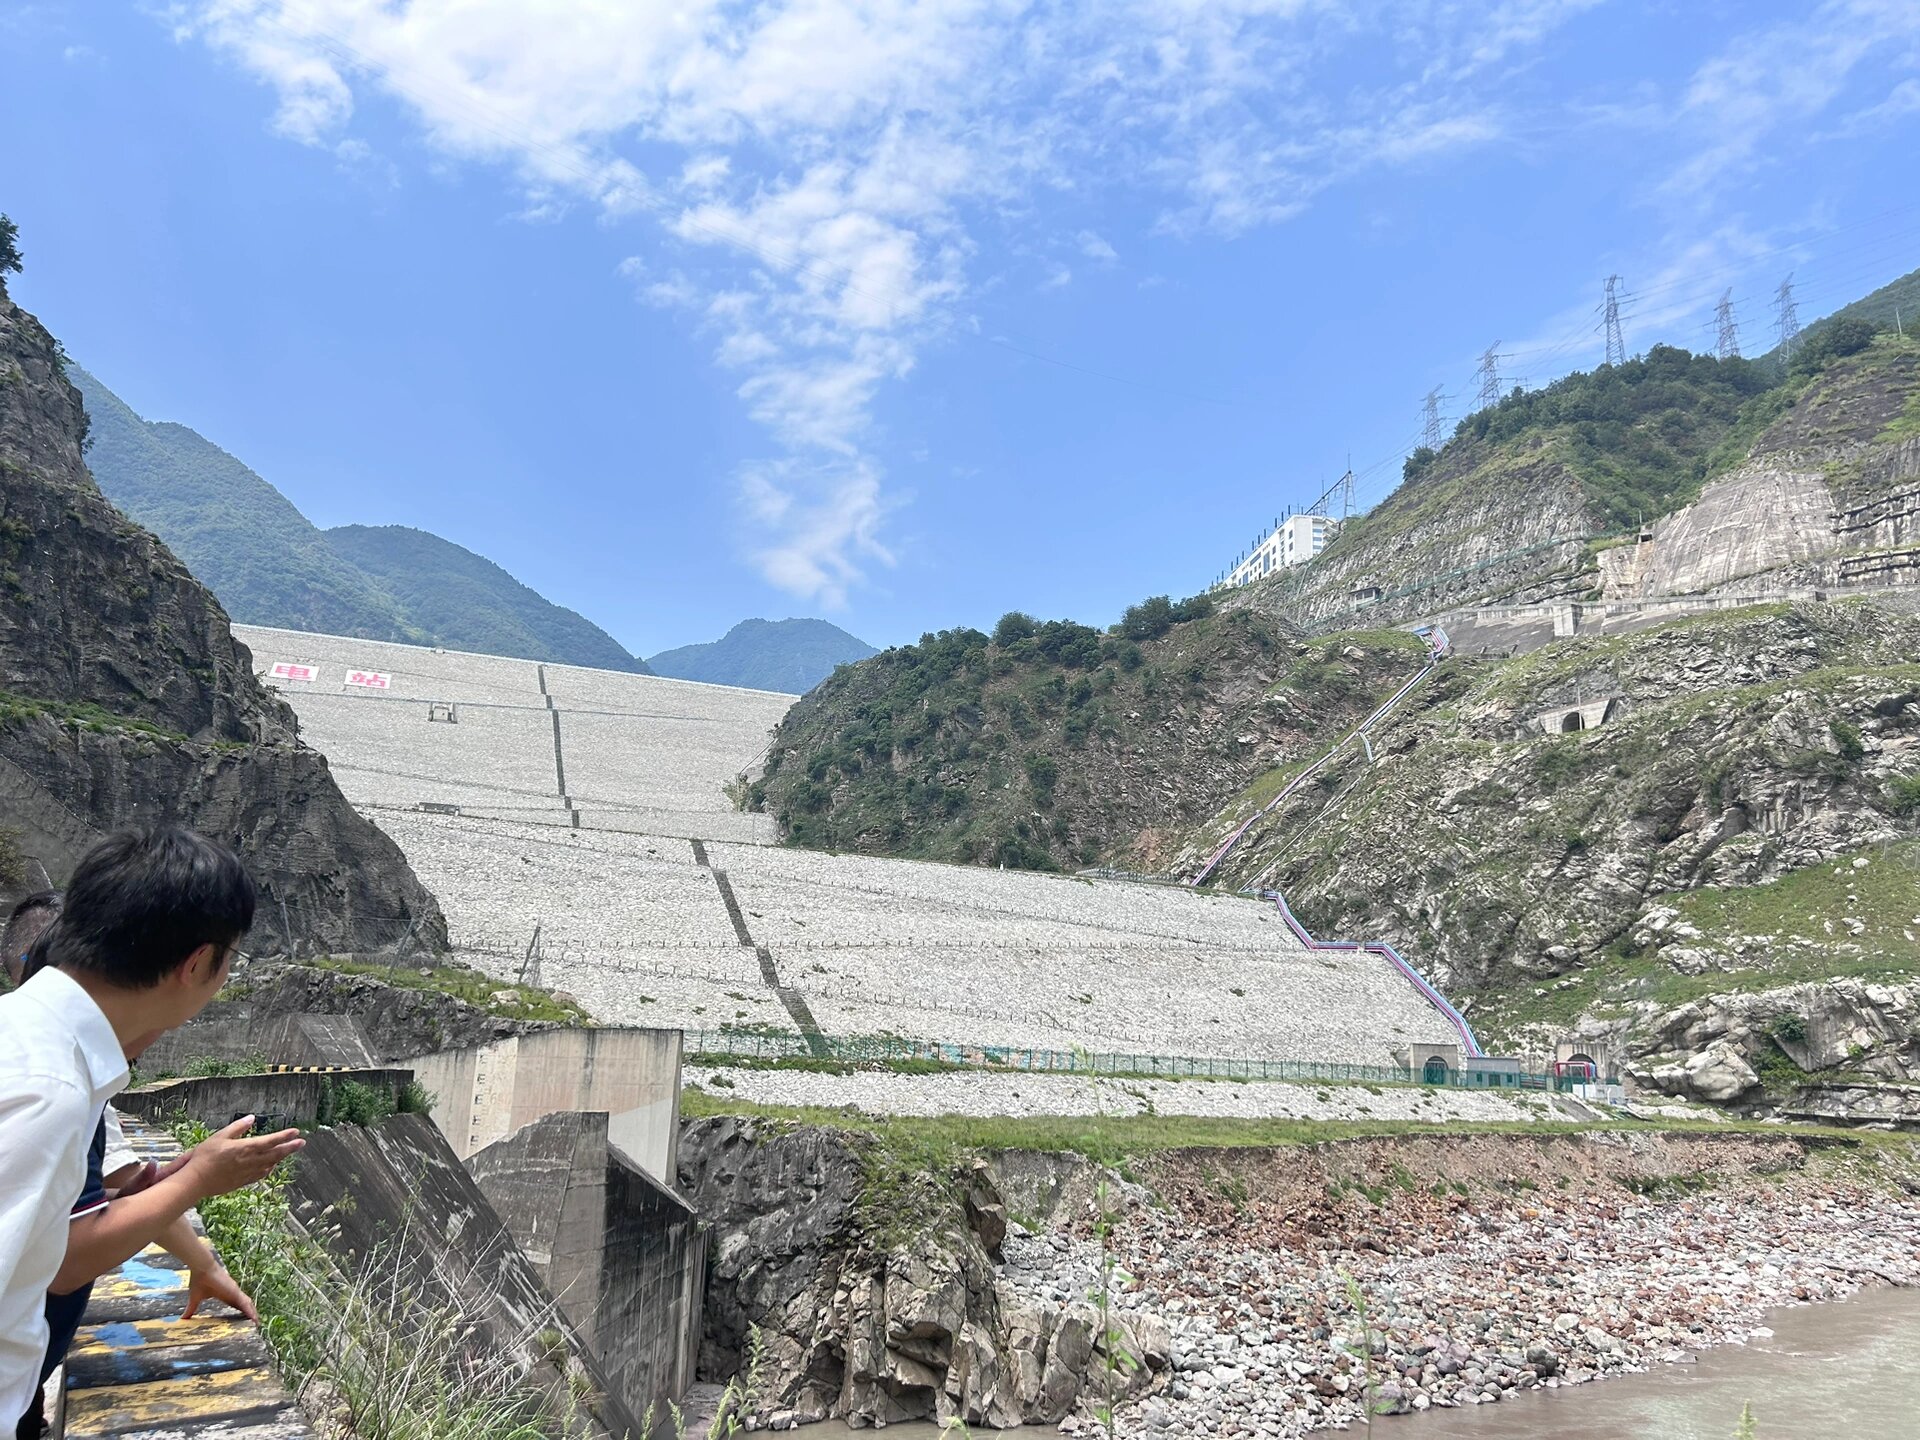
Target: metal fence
x,y
856,1049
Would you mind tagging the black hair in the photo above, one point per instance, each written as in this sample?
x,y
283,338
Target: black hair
x,y
39,953
142,901
27,922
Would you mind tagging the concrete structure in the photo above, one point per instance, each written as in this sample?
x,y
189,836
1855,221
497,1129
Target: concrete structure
x,y
301,1098
1293,541
484,1094
291,1039
544,744
656,904
1517,629
621,1253
1430,1063
391,1203
137,1368
1588,715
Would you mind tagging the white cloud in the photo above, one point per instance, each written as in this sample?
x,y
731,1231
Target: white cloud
x,y
1095,247
823,173
827,519
1738,102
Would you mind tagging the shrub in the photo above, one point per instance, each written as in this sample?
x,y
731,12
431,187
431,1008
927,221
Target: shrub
x,y
10,256
1014,625
1903,794
1042,774
1148,620
1832,341
1195,607
351,1103
1847,737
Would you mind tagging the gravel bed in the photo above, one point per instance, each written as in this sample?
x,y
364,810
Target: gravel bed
x,y
880,1092
1469,1300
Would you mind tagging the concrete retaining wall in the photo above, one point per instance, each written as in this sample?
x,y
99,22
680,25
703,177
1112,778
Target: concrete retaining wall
x,y
393,1198
652,1287
279,1100
280,1039
623,1254
486,1093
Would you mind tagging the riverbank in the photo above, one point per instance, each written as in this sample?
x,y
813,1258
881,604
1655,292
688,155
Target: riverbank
x,y
1845,1369
1275,1278
1413,1275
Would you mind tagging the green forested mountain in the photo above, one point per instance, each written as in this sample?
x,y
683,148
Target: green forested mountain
x,y
789,655
265,561
269,565
470,603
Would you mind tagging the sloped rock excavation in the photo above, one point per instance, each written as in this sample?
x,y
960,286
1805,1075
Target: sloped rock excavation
x,y
1269,1292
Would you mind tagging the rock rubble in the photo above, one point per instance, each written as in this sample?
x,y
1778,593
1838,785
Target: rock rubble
x,y
1468,1297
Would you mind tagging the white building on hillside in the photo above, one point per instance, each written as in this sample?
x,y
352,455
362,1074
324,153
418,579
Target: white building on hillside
x,y
1293,541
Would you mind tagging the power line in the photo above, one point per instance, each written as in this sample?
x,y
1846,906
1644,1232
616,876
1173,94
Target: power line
x,y
1786,321
1727,345
1616,343
1488,374
1430,432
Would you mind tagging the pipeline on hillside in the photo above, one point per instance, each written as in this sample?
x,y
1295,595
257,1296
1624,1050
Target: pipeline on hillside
x,y
1394,958
1437,638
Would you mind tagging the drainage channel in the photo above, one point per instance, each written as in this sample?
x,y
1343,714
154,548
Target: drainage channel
x,y
559,757
795,1003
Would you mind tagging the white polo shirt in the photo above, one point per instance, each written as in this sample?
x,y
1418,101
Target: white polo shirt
x,y
59,1065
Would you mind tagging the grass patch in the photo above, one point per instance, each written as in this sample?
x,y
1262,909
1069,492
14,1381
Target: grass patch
x,y
81,715
942,1142
496,997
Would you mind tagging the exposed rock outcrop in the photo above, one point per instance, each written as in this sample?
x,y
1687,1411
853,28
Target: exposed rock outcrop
x,y
875,1299
394,1022
127,698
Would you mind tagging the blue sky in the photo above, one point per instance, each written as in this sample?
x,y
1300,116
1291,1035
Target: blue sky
x,y
908,313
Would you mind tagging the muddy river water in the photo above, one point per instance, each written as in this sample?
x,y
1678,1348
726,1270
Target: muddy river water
x,y
1851,1369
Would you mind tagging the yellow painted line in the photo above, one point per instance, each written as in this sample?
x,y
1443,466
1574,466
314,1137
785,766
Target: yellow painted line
x,y
201,1330
156,1282
109,1409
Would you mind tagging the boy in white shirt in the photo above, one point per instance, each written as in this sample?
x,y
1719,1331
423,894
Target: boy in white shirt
x,y
146,938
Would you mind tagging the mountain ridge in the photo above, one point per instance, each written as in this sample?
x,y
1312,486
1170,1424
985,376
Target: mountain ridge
x,y
789,656
270,565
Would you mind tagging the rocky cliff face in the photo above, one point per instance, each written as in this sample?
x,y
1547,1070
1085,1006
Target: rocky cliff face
x,y
1827,495
874,1289
1724,860
1484,525
127,699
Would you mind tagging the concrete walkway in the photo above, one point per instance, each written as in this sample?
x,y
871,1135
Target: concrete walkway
x,y
137,1368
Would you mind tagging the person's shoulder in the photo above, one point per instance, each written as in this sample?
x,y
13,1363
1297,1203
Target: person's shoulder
x,y
35,1095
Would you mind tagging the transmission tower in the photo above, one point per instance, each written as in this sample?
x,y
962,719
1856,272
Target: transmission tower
x,y
1616,343
1786,320
1430,434
1489,377
1727,347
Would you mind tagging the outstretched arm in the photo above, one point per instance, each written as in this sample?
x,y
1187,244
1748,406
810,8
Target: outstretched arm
x,y
225,1161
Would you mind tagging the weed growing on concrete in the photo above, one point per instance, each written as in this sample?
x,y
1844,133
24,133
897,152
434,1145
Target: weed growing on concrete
x,y
357,1342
